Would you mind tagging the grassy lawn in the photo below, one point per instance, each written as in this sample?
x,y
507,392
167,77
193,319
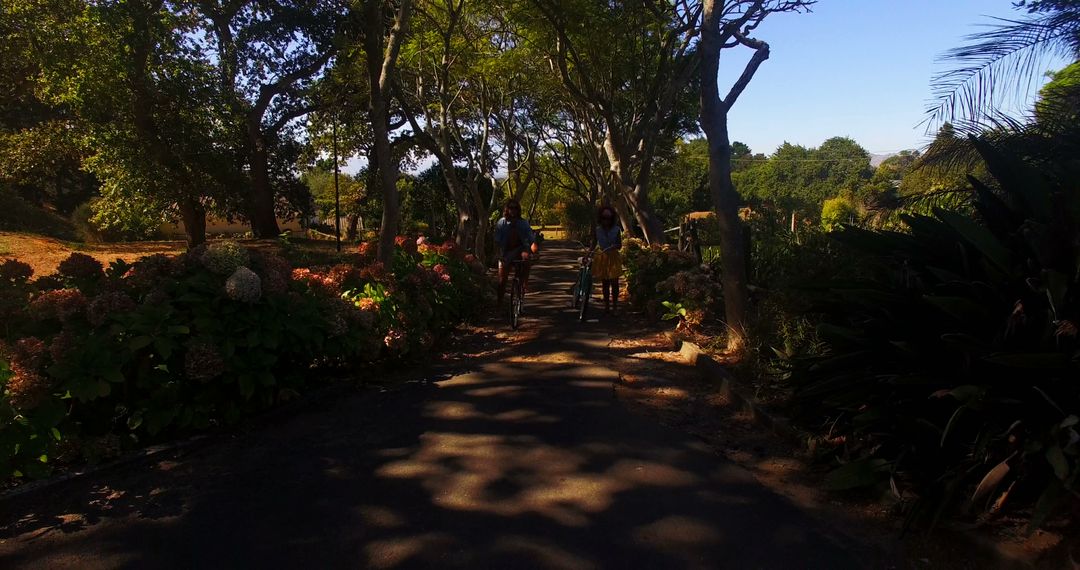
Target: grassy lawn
x,y
44,253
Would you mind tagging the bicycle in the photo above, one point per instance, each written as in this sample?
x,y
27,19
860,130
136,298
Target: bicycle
x,y
517,293
582,289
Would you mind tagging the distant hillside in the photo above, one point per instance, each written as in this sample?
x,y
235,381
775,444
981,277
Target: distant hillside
x,y
876,159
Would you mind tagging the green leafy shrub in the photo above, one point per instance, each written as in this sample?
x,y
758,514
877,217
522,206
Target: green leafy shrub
x,y
696,292
836,211
951,369
787,271
121,220
100,359
18,215
85,229
646,266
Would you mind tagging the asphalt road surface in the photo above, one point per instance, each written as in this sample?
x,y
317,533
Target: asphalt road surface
x,y
521,459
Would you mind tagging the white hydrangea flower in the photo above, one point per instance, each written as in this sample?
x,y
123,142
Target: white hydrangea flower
x,y
244,285
225,257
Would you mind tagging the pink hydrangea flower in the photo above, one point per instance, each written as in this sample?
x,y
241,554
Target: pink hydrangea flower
x,y
60,304
103,305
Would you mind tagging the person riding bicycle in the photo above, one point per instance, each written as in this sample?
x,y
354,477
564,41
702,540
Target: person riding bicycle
x,y
515,240
607,262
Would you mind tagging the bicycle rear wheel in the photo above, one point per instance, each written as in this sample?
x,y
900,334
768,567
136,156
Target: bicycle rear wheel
x,y
515,303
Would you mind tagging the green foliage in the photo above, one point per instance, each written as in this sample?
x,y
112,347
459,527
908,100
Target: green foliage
x,y
145,104
674,311
950,367
1006,53
800,179
40,150
351,189
577,219
100,360
103,219
1059,99
681,181
428,201
836,211
647,266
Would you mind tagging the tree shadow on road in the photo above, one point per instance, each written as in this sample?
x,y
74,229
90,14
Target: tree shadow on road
x,y
519,457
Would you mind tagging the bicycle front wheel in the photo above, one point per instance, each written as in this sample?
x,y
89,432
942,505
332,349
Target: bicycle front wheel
x,y
585,291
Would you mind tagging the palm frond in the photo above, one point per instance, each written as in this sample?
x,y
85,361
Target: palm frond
x,y
1011,53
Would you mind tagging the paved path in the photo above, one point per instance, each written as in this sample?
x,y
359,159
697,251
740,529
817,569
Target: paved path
x,y
520,460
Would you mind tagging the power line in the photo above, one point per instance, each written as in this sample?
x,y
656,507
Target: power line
x,y
706,159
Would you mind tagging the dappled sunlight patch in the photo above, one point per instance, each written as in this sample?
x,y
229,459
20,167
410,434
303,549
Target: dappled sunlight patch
x,y
663,356
452,411
525,416
778,466
463,411
495,391
671,393
596,384
512,476
394,552
470,379
562,357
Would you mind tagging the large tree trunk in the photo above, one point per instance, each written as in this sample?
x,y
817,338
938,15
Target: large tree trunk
x,y
193,215
727,201
635,192
388,175
625,217
263,221
465,223
482,226
725,198
352,227
480,208
381,64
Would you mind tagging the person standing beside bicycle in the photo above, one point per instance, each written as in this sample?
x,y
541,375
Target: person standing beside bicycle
x,y
515,241
607,262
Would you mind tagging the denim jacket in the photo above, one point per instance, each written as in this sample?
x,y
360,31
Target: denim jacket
x,y
503,228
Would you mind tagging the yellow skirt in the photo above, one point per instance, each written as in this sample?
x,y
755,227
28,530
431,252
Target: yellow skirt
x,y
607,265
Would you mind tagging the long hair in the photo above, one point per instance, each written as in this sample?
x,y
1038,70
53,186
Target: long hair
x,y
600,215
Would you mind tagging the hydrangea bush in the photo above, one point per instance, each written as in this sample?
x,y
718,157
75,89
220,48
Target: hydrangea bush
x,y
697,290
94,359
647,266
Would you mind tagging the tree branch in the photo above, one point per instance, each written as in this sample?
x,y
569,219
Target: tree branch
x,y
760,55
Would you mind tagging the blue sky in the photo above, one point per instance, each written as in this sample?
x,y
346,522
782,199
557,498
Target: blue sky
x,y
856,68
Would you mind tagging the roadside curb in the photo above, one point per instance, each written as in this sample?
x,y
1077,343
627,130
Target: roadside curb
x,y
345,384
1006,557
133,457
277,414
272,415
